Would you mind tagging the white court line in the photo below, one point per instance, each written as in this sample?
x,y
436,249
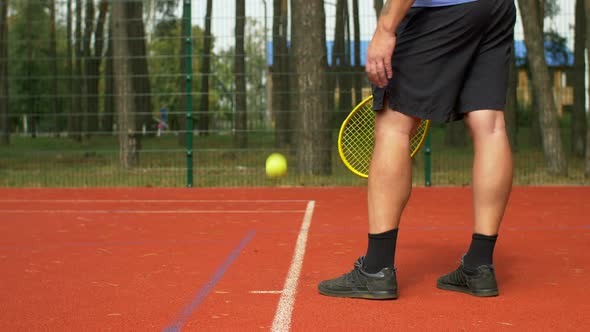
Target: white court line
x,y
152,201
150,211
282,319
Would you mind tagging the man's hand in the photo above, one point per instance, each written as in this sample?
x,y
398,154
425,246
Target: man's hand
x,y
379,52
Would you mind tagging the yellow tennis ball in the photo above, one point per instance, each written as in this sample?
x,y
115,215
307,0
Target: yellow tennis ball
x,y
276,165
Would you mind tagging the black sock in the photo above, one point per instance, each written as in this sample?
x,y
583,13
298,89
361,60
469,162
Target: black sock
x,y
381,251
481,251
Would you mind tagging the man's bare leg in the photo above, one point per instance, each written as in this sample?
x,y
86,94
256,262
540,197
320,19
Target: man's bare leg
x,y
492,182
390,184
492,169
390,172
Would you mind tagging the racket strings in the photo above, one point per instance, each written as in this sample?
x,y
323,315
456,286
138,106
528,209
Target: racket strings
x,y
418,137
357,138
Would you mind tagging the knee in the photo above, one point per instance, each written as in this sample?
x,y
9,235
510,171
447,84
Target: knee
x,y
486,123
388,122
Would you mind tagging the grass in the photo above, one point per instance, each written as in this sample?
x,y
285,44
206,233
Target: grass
x,y
61,162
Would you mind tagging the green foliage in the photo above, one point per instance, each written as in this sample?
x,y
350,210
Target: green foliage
x,y
31,79
164,65
165,70
551,8
223,82
556,47
29,50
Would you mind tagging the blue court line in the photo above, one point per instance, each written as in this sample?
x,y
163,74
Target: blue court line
x,y
204,291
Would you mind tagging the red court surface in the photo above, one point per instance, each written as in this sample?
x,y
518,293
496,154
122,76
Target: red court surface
x,y
250,260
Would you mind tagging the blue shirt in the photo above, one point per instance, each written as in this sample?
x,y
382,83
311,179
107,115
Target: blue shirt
x,y
439,3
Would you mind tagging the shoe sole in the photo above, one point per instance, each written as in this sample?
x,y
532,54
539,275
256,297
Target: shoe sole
x,y
372,295
476,292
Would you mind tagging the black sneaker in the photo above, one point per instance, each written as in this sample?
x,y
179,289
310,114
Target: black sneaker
x,y
479,282
360,284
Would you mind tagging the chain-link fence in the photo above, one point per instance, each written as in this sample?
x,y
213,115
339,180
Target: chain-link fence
x,y
177,93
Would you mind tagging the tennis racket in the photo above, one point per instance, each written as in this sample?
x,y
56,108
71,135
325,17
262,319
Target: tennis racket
x,y
357,138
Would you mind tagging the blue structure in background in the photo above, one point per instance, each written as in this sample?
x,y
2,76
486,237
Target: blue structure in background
x,y
556,56
330,46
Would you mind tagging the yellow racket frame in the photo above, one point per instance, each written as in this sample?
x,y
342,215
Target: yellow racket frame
x,y
366,143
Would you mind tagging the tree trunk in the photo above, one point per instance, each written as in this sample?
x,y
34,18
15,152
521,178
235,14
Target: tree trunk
x,y
511,102
94,66
4,119
587,168
241,119
128,138
54,101
78,108
378,5
339,59
358,75
552,146
70,73
90,105
108,119
205,71
347,76
535,135
578,74
31,81
280,74
139,65
309,54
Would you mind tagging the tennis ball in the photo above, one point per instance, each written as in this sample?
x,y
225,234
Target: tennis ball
x,y
276,165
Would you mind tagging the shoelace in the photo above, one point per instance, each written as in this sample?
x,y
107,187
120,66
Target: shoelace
x,y
354,275
457,277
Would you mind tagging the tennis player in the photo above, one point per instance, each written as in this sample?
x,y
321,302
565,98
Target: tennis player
x,y
443,60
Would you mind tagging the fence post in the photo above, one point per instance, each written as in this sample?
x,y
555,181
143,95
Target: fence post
x,y
189,89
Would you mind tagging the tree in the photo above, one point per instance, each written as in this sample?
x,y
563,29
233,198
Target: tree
x,y
108,118
358,85
547,9
378,5
69,69
93,57
30,38
533,37
90,109
165,74
223,84
241,120
139,66
587,168
94,64
309,54
205,72
164,32
341,60
54,103
577,81
4,120
125,102
280,74
78,110
256,73
511,102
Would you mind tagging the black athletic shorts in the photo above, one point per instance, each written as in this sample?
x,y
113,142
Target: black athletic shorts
x,y
451,60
